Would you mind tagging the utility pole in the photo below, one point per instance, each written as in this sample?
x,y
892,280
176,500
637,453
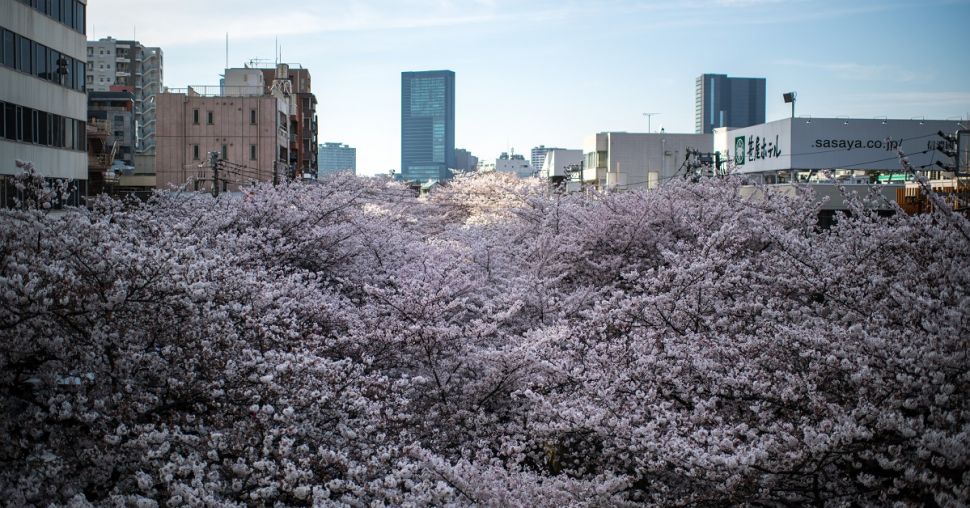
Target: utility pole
x,y
214,162
649,116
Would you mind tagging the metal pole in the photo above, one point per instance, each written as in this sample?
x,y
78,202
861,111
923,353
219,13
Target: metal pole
x,y
214,161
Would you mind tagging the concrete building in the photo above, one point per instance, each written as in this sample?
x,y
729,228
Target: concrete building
x,y
538,155
721,101
127,65
858,155
515,164
42,92
427,125
799,149
465,161
623,160
117,112
249,132
293,83
336,158
559,163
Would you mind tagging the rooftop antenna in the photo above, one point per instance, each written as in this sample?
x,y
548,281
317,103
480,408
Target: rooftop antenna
x,y
276,50
227,50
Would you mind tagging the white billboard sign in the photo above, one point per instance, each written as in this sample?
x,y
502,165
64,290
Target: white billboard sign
x,y
839,143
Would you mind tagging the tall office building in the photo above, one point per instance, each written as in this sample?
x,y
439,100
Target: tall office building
x,y
115,66
721,101
337,157
42,97
427,125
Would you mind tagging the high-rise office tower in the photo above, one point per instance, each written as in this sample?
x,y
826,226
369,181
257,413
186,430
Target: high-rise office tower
x,y
427,125
721,101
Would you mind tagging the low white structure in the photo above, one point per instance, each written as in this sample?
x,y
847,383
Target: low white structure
x,y
558,161
243,82
515,164
623,160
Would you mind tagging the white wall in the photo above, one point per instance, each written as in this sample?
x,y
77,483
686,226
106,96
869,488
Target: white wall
x,y
557,159
833,143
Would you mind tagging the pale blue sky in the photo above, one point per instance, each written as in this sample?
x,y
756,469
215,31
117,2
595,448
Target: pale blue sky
x,y
552,72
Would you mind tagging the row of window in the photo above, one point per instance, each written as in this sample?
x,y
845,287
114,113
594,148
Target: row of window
x,y
20,53
225,152
67,12
30,125
210,117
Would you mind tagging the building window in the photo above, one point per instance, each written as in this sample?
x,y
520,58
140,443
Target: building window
x,y
195,152
225,153
252,116
209,118
24,58
43,131
195,116
9,50
40,61
10,121
252,152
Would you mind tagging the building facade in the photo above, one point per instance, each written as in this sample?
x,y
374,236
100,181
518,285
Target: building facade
x,y
427,125
794,148
126,65
465,161
538,155
559,163
293,84
336,158
515,164
42,68
115,113
624,160
249,133
721,101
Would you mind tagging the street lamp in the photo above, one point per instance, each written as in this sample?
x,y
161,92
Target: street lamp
x,y
790,97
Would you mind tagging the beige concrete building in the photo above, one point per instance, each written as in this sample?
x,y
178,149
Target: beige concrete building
x,y
249,134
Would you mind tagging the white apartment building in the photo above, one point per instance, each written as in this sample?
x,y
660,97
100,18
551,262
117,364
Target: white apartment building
x,y
42,68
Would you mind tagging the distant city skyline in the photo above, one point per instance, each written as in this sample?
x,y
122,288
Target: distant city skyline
x,y
581,67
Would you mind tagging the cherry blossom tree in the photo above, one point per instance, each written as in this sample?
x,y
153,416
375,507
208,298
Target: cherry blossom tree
x,y
496,343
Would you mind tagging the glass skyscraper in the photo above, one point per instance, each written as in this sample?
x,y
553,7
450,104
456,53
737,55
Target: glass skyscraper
x,y
721,101
427,125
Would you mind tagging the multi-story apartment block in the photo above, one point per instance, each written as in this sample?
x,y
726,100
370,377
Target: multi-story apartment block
x,y
721,101
427,125
44,109
337,157
249,132
117,65
294,84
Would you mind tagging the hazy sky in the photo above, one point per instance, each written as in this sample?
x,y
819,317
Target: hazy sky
x,y
552,72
